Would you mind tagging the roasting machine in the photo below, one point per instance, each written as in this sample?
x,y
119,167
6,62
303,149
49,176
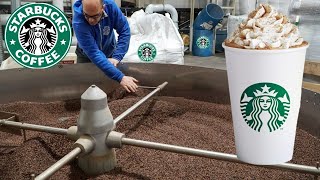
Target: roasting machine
x,y
94,135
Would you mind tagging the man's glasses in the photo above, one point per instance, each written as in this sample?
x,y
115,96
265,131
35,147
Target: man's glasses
x,y
95,17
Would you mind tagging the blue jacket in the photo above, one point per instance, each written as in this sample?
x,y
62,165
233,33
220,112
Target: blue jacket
x,y
98,42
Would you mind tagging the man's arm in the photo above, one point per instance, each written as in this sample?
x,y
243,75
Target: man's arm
x,y
88,44
121,25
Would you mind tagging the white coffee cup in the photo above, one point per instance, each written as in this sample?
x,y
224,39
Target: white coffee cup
x,y
265,92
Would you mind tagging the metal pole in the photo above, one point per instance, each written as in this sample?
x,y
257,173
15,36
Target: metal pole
x,y
191,24
58,4
147,87
214,155
1,48
14,5
3,19
59,164
34,127
135,106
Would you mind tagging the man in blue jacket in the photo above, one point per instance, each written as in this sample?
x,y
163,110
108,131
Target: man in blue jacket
x,y
93,23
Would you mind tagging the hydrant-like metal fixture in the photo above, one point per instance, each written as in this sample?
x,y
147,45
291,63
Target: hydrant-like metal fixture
x,y
96,121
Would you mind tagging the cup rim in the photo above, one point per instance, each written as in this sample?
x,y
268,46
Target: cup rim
x,y
264,51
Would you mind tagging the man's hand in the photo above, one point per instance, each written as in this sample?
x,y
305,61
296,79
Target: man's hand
x,y
113,61
129,83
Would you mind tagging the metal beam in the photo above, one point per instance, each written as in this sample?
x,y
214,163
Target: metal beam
x,y
191,24
1,47
15,4
34,127
135,106
215,155
4,18
59,164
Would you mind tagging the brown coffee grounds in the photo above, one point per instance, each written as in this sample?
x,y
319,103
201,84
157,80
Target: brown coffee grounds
x,y
170,120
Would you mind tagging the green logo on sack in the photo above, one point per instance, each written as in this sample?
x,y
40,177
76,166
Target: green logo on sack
x,y
203,42
265,106
147,52
38,35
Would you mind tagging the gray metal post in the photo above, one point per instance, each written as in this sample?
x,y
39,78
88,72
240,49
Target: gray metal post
x,y
58,4
214,155
1,48
34,127
59,164
14,5
3,19
135,106
191,24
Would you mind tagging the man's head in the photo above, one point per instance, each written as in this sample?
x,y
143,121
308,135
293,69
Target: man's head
x,y
92,10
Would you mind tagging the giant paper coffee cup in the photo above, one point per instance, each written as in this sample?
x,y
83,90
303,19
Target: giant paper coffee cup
x,y
265,93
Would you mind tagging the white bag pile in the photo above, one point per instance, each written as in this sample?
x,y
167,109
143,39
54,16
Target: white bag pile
x,y
154,38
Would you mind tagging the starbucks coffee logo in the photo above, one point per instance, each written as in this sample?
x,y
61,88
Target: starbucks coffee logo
x,y
147,52
203,42
38,35
265,106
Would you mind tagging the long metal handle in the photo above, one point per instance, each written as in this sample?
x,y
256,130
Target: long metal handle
x,y
191,23
59,164
214,155
34,127
147,87
135,106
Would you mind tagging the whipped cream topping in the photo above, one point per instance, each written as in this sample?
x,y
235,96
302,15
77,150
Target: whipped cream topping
x,y
265,28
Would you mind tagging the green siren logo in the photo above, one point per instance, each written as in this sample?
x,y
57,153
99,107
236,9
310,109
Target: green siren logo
x,y
265,106
38,35
147,52
203,42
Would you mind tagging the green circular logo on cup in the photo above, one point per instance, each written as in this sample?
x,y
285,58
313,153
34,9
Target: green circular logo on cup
x,y
265,106
203,42
147,52
38,35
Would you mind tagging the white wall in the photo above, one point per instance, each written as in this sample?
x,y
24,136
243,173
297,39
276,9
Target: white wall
x,y
186,3
175,3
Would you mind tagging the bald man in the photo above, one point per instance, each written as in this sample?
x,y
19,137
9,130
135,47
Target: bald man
x,y
93,23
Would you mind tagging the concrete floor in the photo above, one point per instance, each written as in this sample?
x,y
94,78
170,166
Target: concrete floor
x,y
217,61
